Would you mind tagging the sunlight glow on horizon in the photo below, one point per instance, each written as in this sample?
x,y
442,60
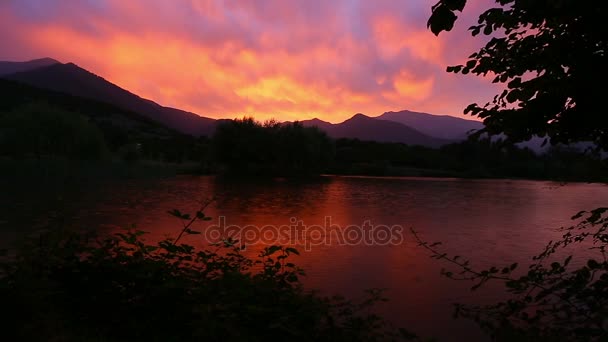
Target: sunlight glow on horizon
x,y
267,59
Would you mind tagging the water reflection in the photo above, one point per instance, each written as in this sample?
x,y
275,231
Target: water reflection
x,y
493,222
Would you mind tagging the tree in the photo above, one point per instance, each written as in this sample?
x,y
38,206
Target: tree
x,y
551,54
40,130
272,148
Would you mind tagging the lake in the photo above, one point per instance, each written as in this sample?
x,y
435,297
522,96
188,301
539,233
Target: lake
x,y
491,222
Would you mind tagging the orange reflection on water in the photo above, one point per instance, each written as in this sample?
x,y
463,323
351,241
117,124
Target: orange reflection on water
x,y
492,222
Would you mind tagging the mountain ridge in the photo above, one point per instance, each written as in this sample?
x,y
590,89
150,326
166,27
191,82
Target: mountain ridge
x,y
404,127
440,126
363,127
9,67
81,82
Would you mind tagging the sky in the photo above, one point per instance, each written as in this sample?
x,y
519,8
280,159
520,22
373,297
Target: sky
x,y
289,60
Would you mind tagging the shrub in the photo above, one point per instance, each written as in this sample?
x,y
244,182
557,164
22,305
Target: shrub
x,y
76,286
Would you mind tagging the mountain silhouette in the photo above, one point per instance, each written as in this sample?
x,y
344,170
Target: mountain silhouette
x,y
403,127
363,127
74,80
17,94
7,68
438,126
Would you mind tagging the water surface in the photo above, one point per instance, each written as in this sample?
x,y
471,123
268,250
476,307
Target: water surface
x,y
492,222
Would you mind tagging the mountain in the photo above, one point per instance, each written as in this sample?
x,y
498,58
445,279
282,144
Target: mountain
x,y
363,127
7,68
404,127
323,125
14,95
438,126
74,80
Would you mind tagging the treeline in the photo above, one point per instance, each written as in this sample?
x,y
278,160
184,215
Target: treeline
x,y
40,130
118,133
472,158
253,148
271,148
37,130
248,147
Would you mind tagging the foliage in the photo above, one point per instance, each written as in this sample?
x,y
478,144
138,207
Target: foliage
x,y
77,286
248,146
39,130
120,128
551,56
556,299
480,158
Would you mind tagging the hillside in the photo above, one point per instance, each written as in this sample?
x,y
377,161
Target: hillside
x,y
7,68
363,127
404,127
71,79
439,126
120,127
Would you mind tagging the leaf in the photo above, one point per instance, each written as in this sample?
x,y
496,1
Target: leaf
x,y
475,30
175,213
455,5
592,264
454,69
512,96
442,19
271,250
516,82
487,30
292,250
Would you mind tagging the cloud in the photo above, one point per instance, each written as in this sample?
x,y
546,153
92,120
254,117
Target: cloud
x,y
283,59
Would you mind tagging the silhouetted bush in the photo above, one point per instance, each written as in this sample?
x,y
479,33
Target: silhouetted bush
x,y
556,298
79,287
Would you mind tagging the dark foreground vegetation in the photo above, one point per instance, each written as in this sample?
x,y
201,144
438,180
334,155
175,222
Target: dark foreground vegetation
x,y
547,55
76,286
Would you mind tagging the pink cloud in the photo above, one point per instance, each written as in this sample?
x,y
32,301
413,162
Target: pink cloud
x,y
283,59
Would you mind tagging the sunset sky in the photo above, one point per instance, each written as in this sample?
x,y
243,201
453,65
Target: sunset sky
x,y
283,59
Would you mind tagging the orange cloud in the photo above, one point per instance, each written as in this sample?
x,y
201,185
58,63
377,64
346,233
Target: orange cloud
x,y
394,37
225,59
411,88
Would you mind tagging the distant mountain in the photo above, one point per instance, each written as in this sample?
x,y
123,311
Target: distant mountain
x,y
7,68
71,79
363,127
404,127
438,126
323,125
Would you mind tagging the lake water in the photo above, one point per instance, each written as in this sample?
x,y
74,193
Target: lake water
x,y
491,222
